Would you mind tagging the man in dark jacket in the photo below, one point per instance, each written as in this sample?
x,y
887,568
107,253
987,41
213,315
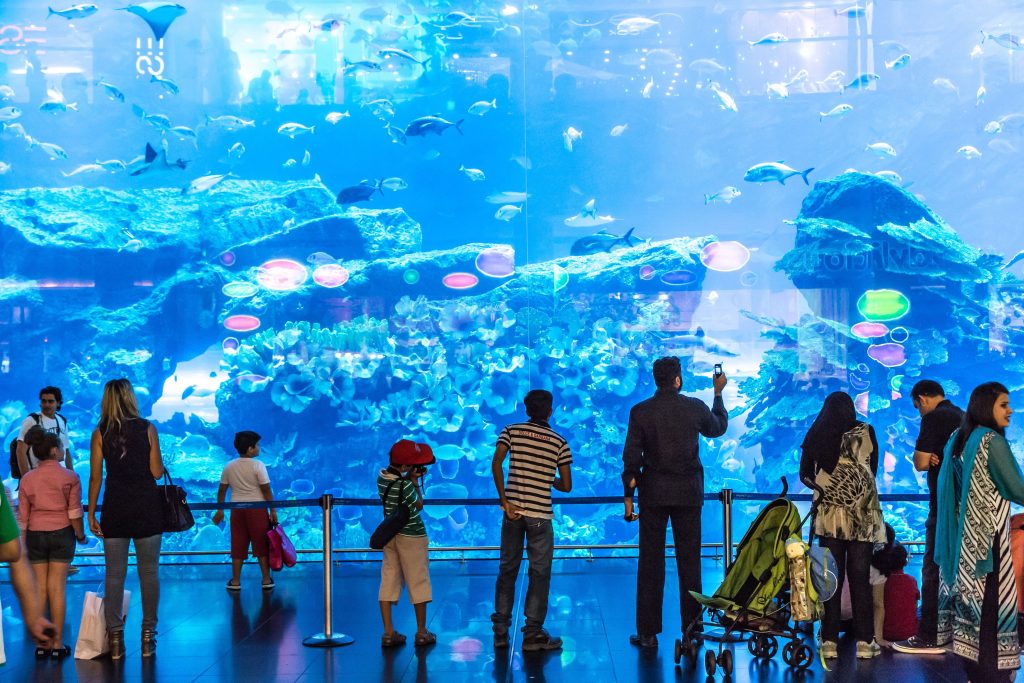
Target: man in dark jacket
x,y
662,458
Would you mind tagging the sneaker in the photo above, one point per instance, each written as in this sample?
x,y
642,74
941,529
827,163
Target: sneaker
x,y
829,649
117,644
541,640
918,646
148,642
868,650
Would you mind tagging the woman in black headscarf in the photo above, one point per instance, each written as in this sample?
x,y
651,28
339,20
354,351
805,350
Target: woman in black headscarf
x,y
839,461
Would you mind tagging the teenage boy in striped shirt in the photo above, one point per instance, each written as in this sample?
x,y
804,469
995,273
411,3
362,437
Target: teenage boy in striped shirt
x,y
537,454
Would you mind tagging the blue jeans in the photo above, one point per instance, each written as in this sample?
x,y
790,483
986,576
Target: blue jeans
x,y
540,550
147,558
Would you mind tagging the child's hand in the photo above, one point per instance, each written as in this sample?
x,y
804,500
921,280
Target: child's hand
x,y
218,517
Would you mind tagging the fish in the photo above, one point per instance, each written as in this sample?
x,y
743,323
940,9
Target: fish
x,y
291,163
53,151
482,107
366,64
892,176
236,151
1007,40
359,193
431,124
9,113
230,122
801,76
293,130
6,92
335,116
771,171
705,66
770,39
602,243
132,246
53,106
320,258
835,79
634,26
396,134
946,84
508,212
380,107
85,168
835,112
648,88
389,52
899,62
881,149
165,83
306,158
725,100
151,160
4,168
979,98
159,15
777,91
474,174
861,82
112,165
725,195
588,217
696,339
969,152
74,12
183,133
282,8
374,14
197,391
394,184
113,92
507,197
205,183
732,463
569,136
618,130
993,128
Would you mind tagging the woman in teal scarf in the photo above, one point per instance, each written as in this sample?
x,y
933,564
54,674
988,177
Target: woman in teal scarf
x,y
978,481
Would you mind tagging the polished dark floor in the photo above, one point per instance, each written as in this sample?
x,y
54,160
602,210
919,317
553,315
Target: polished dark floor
x,y
208,634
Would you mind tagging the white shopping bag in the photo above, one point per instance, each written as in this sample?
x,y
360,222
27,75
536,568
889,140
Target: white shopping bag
x,y
92,631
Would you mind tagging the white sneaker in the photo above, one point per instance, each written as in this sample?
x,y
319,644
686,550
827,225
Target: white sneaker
x,y
829,650
868,650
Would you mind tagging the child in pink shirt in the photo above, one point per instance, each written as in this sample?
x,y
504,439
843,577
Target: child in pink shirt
x,y
50,512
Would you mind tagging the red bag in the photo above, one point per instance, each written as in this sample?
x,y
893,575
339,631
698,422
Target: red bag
x,y
282,552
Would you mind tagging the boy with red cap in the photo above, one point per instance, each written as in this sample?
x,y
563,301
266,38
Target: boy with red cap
x,y
405,555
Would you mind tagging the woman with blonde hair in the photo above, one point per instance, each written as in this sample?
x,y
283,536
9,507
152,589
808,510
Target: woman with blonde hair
x,y
129,448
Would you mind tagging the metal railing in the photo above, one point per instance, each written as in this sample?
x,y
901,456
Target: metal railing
x,y
329,638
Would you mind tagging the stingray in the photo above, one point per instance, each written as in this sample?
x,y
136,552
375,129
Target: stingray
x,y
159,15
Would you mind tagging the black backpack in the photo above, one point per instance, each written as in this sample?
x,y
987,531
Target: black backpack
x,y
16,472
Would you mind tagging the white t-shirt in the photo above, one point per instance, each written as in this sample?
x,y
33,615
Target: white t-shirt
x,y
244,476
53,425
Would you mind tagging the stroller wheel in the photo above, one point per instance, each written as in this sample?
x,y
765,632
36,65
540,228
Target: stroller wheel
x,y
692,651
678,651
725,661
803,657
789,652
709,662
754,645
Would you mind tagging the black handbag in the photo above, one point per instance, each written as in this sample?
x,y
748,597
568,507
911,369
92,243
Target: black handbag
x,y
177,515
392,523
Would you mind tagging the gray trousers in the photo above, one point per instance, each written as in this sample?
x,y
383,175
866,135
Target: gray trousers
x,y
147,556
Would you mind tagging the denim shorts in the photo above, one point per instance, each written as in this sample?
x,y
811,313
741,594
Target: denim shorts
x,y
51,546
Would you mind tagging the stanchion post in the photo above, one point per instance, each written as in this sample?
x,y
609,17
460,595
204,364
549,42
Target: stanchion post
x,y
726,498
328,638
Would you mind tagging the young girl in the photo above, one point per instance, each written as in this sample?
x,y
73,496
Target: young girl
x,y
50,510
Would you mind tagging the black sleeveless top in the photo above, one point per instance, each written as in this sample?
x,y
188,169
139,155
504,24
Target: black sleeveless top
x,y
131,500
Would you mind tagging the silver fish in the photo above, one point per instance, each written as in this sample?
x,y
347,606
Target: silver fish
x,y
205,183
166,83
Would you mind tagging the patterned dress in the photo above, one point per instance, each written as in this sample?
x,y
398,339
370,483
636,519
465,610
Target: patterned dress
x,y
986,523
849,510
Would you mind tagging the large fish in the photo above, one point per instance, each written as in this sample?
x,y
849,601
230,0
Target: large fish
x,y
205,183
159,15
772,171
431,124
602,242
588,217
82,11
152,160
359,193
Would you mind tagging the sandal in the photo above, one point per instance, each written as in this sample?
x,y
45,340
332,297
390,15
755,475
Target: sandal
x,y
427,638
268,585
42,653
234,586
60,652
393,639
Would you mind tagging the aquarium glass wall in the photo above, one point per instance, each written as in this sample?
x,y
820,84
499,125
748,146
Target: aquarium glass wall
x,y
342,224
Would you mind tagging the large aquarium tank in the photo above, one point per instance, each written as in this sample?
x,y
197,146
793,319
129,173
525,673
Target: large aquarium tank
x,y
341,224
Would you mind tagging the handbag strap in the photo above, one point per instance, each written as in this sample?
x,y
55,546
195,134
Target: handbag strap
x,y
387,492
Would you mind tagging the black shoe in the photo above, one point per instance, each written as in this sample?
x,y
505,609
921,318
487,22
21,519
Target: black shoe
x,y
541,641
500,641
643,641
148,642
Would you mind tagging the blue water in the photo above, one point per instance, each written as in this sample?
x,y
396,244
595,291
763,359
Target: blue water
x,y
255,301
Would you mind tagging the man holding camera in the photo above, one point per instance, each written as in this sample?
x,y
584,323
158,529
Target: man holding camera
x,y
662,457
538,452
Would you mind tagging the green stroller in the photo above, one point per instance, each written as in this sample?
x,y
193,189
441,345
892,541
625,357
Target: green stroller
x,y
776,579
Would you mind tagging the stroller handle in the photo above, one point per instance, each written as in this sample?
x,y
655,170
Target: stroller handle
x,y
785,487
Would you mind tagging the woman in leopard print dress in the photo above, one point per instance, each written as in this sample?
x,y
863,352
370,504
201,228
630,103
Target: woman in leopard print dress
x,y
840,460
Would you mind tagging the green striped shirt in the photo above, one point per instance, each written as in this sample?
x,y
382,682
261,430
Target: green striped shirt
x,y
406,491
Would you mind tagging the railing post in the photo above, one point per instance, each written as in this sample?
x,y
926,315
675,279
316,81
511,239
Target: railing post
x,y
328,638
726,497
